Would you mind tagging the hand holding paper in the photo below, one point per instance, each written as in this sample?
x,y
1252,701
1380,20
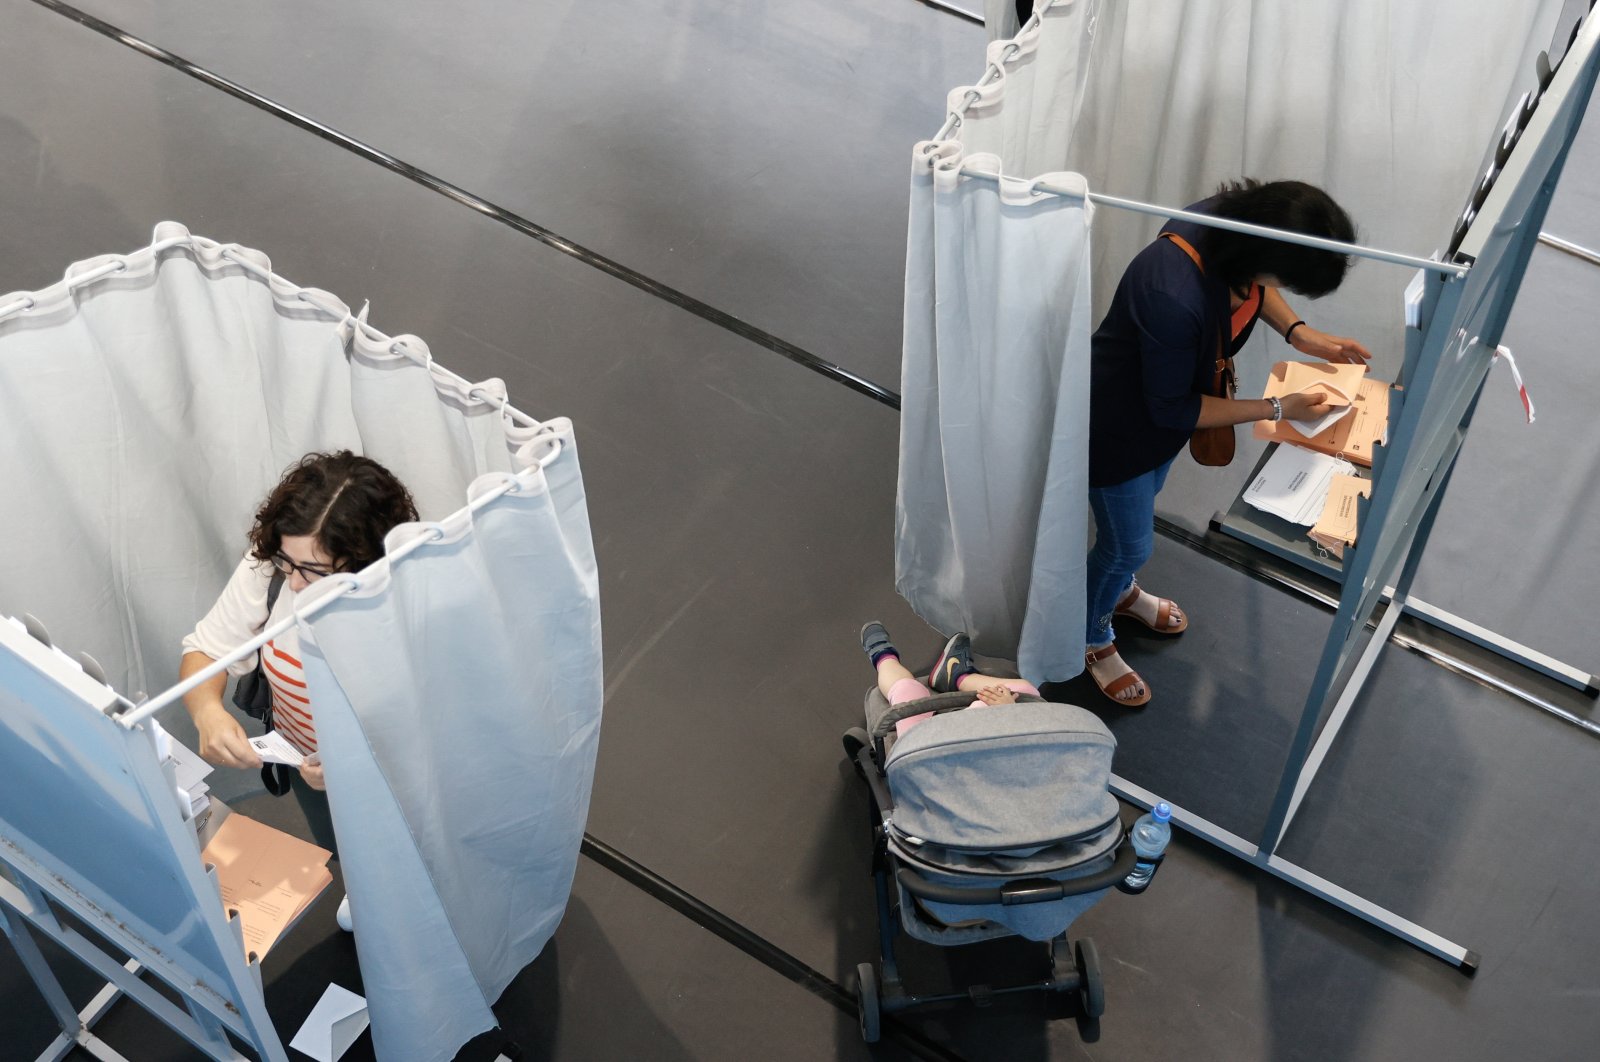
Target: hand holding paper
x,y
273,747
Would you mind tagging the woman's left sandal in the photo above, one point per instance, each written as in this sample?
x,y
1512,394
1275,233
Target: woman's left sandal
x,y
1165,607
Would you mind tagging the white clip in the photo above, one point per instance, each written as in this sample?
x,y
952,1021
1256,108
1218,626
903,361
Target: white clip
x,y
1516,378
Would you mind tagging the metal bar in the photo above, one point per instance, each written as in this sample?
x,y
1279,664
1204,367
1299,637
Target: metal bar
x,y
1592,257
30,889
1156,210
106,998
992,72
1341,709
33,960
952,9
351,582
100,1049
1405,929
1531,659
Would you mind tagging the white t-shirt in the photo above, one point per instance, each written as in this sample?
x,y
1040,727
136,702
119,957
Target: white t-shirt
x,y
239,615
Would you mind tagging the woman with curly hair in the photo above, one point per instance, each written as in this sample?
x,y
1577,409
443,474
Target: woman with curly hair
x,y
328,514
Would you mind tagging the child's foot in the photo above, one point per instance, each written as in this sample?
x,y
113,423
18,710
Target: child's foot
x,y
876,644
953,662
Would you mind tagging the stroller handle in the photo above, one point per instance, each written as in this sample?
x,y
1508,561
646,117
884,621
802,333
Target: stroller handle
x,y
1023,890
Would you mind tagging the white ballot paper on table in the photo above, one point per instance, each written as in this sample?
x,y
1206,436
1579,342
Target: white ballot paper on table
x,y
1293,484
332,1026
273,747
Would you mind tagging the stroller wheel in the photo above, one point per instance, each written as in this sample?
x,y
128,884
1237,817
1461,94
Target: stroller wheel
x,y
1091,989
867,1013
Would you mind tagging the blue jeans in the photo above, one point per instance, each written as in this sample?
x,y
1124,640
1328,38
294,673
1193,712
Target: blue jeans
x,y
1125,531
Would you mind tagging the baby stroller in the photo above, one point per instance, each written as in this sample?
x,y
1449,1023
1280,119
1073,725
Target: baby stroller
x,y
989,822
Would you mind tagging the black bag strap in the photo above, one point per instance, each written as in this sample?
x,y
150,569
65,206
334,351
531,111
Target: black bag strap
x,y
275,776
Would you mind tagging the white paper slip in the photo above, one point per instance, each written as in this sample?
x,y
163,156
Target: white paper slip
x,y
332,1026
188,769
1293,484
1312,428
273,747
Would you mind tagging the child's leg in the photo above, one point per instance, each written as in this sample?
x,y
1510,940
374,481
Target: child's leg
x,y
895,680
897,683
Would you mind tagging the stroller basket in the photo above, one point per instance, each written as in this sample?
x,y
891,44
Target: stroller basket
x,y
988,822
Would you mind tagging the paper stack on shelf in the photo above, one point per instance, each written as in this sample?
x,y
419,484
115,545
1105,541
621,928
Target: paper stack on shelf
x,y
1336,528
190,772
267,877
1358,423
1293,484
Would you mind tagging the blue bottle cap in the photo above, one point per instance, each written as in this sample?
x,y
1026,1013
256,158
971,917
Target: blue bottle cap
x,y
1162,811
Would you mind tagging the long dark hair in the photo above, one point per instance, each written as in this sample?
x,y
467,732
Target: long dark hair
x,y
347,501
1294,205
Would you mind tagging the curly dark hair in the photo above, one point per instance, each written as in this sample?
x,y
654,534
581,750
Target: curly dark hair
x,y
347,501
1292,205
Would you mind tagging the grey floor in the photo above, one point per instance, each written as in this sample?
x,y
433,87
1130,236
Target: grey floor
x,y
735,177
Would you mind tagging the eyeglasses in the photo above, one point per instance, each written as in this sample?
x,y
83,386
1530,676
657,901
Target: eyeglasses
x,y
309,572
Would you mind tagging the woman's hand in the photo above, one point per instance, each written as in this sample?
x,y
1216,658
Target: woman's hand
x,y
222,740
1303,406
311,771
1309,341
992,695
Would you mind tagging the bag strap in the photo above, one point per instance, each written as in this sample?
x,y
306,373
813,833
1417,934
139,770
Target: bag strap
x,y
275,776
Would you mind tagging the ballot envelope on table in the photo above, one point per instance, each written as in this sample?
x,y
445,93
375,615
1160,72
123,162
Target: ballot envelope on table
x,y
1359,422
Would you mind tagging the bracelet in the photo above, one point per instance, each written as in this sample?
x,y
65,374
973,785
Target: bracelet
x,y
1277,409
1288,333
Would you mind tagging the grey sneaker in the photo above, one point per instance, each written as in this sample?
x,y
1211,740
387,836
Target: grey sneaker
x,y
953,662
875,642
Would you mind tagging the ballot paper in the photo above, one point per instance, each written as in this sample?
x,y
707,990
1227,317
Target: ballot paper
x,y
273,747
267,877
1336,527
1293,484
1339,407
332,1026
189,773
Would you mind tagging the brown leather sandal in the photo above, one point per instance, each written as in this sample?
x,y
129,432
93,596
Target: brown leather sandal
x,y
1118,684
1163,612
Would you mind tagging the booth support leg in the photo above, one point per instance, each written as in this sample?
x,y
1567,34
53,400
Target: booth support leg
x,y
1407,930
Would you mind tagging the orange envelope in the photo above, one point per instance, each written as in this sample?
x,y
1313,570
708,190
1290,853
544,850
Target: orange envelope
x,y
1351,436
267,877
1337,527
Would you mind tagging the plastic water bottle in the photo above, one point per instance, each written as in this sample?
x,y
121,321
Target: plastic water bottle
x,y
1150,836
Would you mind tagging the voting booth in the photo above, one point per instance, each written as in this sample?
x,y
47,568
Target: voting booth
x,y
148,402
1022,212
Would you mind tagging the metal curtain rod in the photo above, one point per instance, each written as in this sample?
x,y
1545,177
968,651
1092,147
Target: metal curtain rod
x,y
956,117
117,265
351,582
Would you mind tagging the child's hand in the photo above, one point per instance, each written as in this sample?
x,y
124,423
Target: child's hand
x,y
997,695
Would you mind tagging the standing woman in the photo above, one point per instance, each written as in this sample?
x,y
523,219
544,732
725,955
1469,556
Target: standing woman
x,y
1153,371
329,514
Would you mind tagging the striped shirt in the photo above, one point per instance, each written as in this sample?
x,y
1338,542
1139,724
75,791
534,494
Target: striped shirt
x,y
239,614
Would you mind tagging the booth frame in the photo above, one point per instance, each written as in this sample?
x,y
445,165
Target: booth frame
x,y
1428,422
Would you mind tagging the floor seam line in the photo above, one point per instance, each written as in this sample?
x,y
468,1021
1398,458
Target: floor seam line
x,y
751,943
611,267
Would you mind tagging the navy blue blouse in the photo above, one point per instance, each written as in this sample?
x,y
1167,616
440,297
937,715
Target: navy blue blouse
x,y
1154,356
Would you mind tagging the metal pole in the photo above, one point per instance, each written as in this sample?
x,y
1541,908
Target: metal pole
x,y
1592,257
350,582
